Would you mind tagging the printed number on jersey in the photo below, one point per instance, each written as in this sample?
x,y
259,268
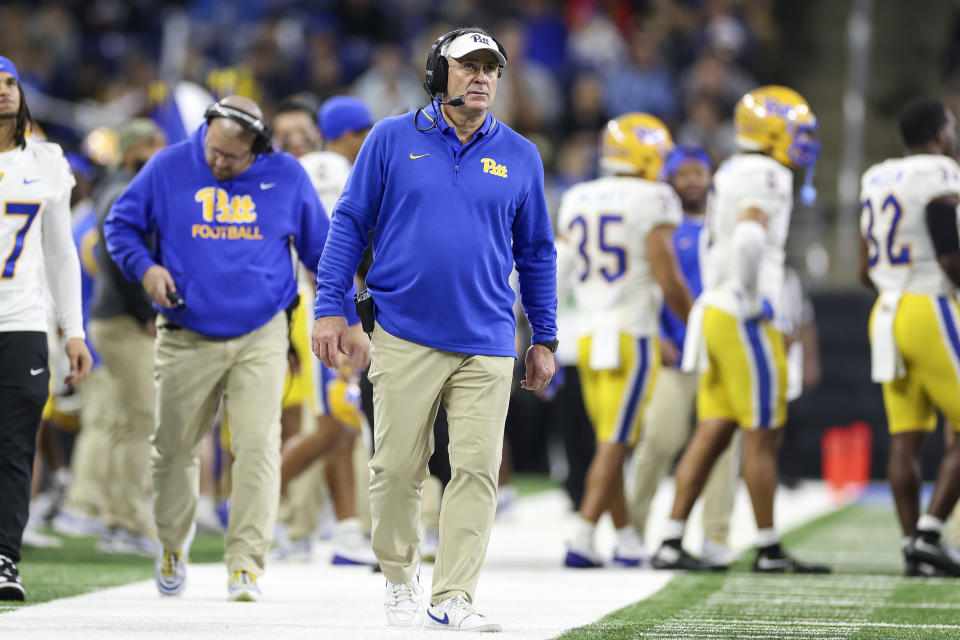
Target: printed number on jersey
x,y
28,210
599,255
887,216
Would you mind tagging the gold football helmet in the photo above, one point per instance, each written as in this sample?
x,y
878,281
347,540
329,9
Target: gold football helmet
x,y
635,144
778,122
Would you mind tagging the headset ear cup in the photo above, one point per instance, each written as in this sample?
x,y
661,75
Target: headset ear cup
x,y
440,75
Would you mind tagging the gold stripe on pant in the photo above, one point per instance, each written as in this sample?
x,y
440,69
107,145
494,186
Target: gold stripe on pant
x,y
127,353
667,426
192,371
409,382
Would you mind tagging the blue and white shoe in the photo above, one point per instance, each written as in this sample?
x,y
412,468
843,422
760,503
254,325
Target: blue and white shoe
x,y
457,614
630,550
243,587
351,546
170,572
580,557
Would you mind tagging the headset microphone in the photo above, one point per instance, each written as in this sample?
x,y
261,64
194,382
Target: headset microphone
x,y
459,101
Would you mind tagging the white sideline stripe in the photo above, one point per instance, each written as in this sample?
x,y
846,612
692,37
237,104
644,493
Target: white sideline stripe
x,y
770,624
523,586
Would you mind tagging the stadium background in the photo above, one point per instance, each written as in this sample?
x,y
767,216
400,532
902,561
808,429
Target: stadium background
x,y
572,66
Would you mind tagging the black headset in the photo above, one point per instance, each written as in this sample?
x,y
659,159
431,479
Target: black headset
x,y
435,82
262,143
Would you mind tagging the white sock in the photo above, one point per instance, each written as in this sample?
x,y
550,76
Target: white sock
x,y
931,523
583,537
674,529
767,537
61,476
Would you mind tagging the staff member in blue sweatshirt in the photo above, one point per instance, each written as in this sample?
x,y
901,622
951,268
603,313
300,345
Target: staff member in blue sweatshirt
x,y
224,211
455,200
669,420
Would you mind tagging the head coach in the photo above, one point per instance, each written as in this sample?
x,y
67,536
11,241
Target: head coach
x,y
455,200
224,211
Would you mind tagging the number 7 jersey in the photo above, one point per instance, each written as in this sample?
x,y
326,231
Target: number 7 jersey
x,y
605,224
893,199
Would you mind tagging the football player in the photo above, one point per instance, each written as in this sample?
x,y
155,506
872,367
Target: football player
x,y
733,333
38,255
911,255
617,234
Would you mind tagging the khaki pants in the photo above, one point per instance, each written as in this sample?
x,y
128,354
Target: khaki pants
x,y
127,353
409,382
667,426
87,492
192,371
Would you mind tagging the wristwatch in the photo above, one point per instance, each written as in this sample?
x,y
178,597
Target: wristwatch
x,y
550,344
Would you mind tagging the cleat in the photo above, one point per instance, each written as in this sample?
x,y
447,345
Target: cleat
x,y
579,557
10,586
457,614
243,587
776,560
630,550
670,557
925,551
403,603
917,569
170,572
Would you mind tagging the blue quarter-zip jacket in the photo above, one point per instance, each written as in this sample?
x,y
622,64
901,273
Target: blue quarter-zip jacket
x,y
450,222
686,243
226,244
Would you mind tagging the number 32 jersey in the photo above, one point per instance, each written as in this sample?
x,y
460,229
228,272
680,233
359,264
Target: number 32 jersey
x,y
605,224
36,241
893,199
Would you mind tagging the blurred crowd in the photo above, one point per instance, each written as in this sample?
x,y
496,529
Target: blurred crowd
x,y
572,66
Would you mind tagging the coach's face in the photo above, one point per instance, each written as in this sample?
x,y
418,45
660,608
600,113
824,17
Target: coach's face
x,y
474,76
10,95
227,149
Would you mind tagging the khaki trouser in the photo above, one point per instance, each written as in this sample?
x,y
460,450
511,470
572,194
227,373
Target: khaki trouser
x,y
667,425
409,382
87,492
127,353
192,371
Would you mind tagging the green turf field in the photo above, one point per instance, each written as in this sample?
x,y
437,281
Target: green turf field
x,y
78,567
866,598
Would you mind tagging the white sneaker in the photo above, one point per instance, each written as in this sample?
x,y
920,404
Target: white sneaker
x,y
170,572
33,539
582,557
121,540
458,614
719,555
75,524
630,550
243,587
287,550
403,603
351,546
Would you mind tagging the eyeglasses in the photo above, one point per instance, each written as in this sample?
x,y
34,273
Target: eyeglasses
x,y
490,69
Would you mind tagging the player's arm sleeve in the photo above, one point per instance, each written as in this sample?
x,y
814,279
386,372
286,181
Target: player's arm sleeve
x,y
354,215
942,225
535,255
128,224
62,266
310,239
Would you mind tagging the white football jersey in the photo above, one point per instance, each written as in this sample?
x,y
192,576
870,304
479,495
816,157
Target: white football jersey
x,y
893,199
605,224
746,180
36,241
328,172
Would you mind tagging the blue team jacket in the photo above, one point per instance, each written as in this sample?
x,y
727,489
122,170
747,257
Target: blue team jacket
x,y
686,243
450,222
226,244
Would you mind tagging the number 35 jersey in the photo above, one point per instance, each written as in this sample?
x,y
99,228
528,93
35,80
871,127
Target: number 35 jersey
x,y
605,224
36,241
893,198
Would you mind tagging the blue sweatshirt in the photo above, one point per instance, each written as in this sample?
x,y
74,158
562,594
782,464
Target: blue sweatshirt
x,y
450,222
686,243
226,244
